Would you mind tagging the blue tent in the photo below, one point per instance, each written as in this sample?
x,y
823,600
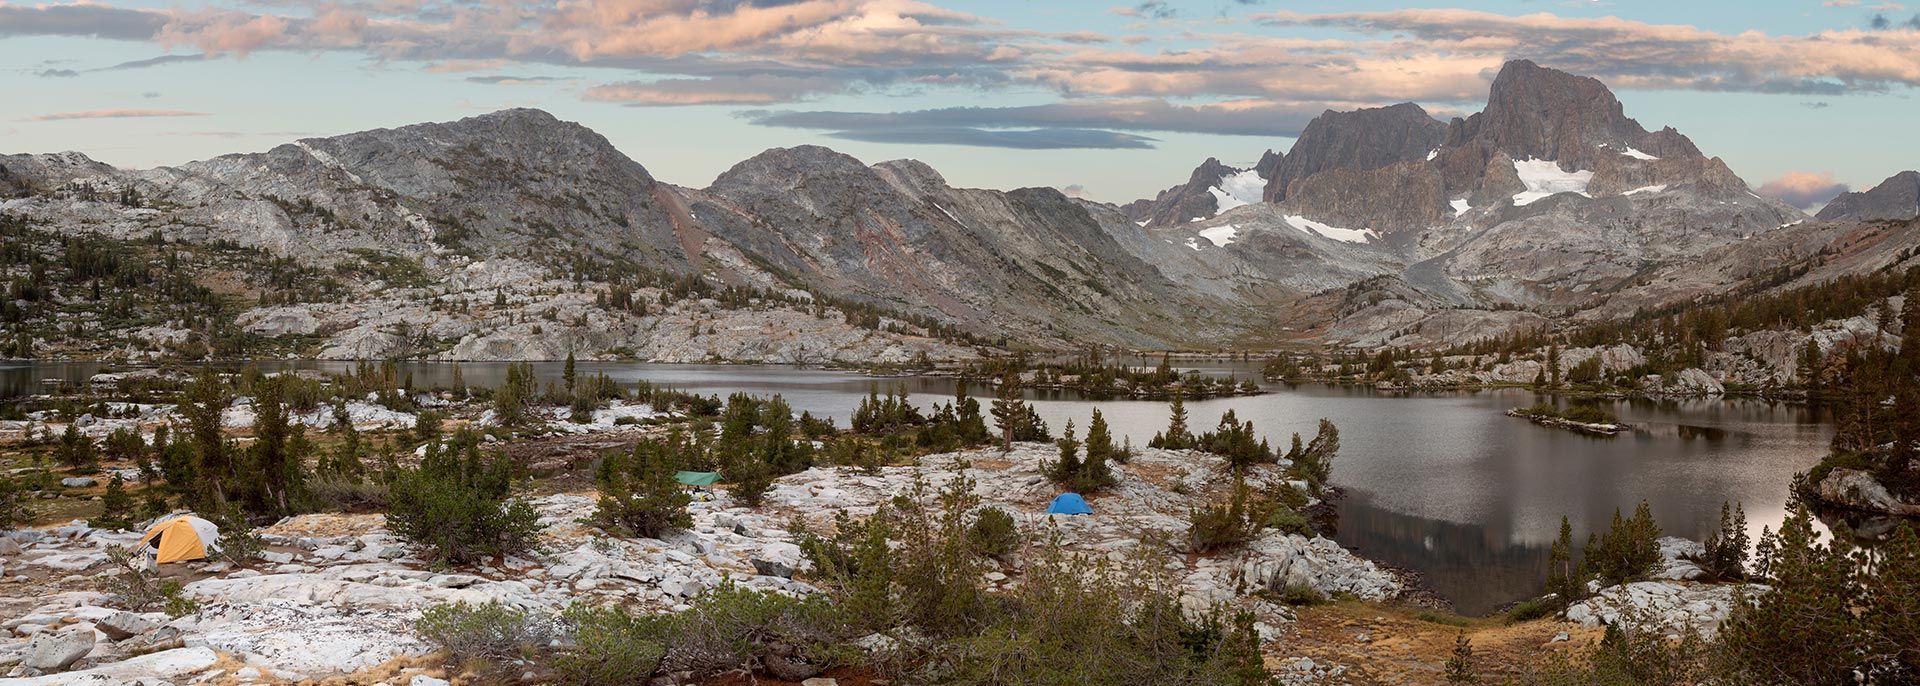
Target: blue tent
x,y
1069,503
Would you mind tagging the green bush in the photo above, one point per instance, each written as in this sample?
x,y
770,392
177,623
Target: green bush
x,y
14,496
994,533
1529,610
459,508
138,588
1217,526
1300,595
609,646
1075,620
730,628
343,494
638,493
492,633
1290,521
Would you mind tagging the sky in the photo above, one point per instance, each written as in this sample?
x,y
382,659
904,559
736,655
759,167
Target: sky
x,y
1113,101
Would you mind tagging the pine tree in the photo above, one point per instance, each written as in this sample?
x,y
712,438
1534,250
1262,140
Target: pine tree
x,y
76,450
1177,436
1553,366
212,471
567,375
1066,470
1726,547
1008,409
1459,669
1100,446
116,507
1562,580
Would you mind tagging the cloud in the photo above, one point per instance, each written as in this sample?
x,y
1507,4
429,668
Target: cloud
x,y
95,21
504,80
1073,190
1815,104
1626,53
1025,139
153,62
1247,118
1880,22
1803,189
1151,9
134,64
114,114
759,89
219,33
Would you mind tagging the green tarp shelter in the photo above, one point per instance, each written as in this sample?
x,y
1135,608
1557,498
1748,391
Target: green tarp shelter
x,y
697,478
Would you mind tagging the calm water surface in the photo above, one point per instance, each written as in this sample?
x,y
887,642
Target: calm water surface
x,y
1441,484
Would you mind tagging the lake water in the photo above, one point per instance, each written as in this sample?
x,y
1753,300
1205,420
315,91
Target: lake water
x,y
1442,484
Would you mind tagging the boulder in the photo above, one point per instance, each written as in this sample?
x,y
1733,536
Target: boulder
x,y
49,652
1858,490
777,559
121,626
77,482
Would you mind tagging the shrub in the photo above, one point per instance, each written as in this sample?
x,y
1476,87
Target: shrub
x,y
610,646
459,509
1074,620
1221,525
1290,521
348,495
1529,610
1300,595
13,502
116,507
239,544
490,633
138,588
638,493
731,628
994,533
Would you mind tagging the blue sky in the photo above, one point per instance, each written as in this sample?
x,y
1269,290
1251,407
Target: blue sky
x,y
1116,100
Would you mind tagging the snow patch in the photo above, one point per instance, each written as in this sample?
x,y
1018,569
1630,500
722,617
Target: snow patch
x,y
1193,243
1333,232
1222,236
1432,154
1635,154
1647,189
1545,178
1460,206
1237,190
956,220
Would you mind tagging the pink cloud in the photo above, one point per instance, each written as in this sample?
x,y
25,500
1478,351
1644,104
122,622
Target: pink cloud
x,y
1803,189
224,32
114,114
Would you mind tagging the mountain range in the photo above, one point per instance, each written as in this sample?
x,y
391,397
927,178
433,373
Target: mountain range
x,y
1381,226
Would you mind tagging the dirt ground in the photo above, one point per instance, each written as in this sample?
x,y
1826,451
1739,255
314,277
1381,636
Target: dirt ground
x,y
1382,644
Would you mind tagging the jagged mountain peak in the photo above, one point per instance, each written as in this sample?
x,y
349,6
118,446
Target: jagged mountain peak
x,y
1897,198
1367,138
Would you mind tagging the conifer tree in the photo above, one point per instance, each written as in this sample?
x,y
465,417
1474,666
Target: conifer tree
x,y
76,450
116,507
1177,436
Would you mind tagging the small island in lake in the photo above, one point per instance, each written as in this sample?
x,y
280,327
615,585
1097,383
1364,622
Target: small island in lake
x,y
1581,418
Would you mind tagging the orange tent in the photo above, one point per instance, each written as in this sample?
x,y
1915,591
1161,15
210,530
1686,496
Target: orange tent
x,y
181,538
